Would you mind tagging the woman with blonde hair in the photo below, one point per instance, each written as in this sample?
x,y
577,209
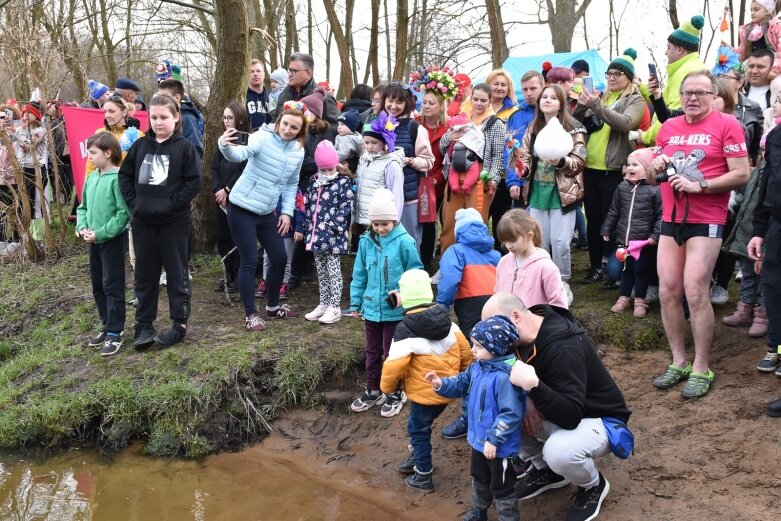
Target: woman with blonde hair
x,y
503,98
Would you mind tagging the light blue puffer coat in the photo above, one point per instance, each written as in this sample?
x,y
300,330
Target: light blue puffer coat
x,y
271,175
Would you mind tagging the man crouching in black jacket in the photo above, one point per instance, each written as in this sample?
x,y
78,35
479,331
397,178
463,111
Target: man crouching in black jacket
x,y
569,391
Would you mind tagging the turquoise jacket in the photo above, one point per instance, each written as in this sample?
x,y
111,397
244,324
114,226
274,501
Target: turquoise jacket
x,y
378,267
271,174
102,208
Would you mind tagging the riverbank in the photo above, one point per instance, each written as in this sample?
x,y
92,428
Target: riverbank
x,y
218,391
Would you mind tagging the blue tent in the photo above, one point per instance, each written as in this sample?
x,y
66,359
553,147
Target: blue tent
x,y
517,66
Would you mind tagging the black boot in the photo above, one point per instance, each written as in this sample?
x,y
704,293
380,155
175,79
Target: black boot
x,y
773,409
421,481
408,465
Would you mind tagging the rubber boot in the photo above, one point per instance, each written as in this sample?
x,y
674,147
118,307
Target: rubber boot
x,y
742,316
421,481
759,325
641,307
507,509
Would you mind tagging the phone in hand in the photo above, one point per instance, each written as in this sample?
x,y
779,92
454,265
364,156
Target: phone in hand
x,y
392,300
242,138
588,83
652,71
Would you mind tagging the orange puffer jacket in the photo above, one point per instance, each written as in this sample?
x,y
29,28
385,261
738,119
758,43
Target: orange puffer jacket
x,y
425,340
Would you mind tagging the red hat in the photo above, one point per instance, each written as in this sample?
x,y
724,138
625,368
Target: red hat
x,y
34,109
462,80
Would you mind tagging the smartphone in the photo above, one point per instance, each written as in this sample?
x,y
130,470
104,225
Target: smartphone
x,y
588,83
652,70
392,301
242,138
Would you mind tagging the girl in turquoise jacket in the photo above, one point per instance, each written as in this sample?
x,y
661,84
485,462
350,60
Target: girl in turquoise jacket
x,y
385,252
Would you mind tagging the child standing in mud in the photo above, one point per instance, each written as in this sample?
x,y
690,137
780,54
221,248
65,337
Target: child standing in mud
x,y
385,251
425,340
496,410
101,220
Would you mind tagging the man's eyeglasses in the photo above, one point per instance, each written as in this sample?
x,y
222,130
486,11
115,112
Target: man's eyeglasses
x,y
699,94
613,74
293,72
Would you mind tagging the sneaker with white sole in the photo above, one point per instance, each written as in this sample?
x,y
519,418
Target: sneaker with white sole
x,y
368,400
393,404
112,344
770,363
567,292
588,501
718,295
316,313
331,315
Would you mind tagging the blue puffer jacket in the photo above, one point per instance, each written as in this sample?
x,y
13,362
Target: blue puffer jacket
x,y
516,128
496,407
271,174
378,267
469,266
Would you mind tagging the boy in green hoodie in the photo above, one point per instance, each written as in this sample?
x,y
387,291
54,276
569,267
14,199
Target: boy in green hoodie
x,y
101,220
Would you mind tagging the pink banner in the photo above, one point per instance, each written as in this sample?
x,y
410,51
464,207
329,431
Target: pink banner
x,y
80,124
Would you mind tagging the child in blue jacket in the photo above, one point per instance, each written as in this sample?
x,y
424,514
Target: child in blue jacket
x,y
496,410
385,252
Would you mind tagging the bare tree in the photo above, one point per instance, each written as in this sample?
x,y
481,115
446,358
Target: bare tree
x,y
499,51
346,71
402,26
672,8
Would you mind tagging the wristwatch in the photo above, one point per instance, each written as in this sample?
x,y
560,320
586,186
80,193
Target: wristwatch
x,y
703,186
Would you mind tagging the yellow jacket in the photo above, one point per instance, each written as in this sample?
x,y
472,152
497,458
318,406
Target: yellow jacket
x,y
425,340
117,132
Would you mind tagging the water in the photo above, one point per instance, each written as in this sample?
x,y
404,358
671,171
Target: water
x,y
256,484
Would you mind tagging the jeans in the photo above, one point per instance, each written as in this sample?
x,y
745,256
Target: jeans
x,y
247,229
569,453
750,285
409,218
419,428
580,226
107,273
557,228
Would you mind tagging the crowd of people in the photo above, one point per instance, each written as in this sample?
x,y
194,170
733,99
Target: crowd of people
x,y
669,189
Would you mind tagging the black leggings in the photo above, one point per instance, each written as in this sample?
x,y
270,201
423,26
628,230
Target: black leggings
x,y
501,203
599,187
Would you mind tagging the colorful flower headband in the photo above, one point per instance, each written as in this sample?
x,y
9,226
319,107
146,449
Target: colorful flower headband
x,y
438,81
727,60
385,125
166,69
299,106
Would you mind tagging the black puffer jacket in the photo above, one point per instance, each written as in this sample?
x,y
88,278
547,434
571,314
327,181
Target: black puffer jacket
x,y
357,104
636,207
750,114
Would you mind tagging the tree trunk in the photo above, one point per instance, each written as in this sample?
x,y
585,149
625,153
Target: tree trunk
x,y
348,33
672,7
271,29
387,39
499,51
309,27
346,72
562,20
373,60
402,26
232,29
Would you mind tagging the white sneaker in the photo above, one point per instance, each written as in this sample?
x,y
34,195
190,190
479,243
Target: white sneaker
x,y
331,315
316,313
718,295
567,292
652,295
163,279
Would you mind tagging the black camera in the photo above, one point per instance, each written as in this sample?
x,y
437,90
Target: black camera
x,y
663,177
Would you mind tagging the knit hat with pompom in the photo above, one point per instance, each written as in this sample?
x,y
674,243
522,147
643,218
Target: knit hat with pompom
x,y
625,63
688,34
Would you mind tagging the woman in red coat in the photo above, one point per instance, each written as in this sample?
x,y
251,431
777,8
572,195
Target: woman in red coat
x,y
431,116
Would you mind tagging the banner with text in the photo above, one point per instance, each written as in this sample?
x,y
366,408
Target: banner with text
x,y
80,124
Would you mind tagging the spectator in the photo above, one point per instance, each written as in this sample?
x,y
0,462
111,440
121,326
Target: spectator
x,y
378,93
580,68
360,99
707,150
98,94
192,120
301,83
127,89
118,121
30,146
7,177
570,395
759,66
763,32
257,96
278,83
463,100
502,93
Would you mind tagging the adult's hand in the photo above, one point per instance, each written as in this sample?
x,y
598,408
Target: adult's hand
x,y
229,136
532,421
660,163
654,88
524,376
587,98
755,252
455,135
221,196
682,184
283,224
515,192
492,187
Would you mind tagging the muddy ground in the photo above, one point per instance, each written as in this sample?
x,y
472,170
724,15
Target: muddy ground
x,y
715,458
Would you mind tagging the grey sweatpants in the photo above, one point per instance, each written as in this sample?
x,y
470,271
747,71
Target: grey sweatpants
x,y
557,231
569,453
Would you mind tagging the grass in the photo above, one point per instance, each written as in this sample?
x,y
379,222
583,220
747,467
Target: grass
x,y
218,391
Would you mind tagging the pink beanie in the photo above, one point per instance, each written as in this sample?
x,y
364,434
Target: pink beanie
x,y
326,156
644,156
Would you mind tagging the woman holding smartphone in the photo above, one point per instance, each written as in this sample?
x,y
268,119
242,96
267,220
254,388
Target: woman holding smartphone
x,y
621,110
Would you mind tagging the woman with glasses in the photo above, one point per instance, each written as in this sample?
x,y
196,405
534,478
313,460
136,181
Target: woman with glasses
x,y
224,175
413,138
620,110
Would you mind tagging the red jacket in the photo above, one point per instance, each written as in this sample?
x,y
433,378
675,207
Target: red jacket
x,y
434,135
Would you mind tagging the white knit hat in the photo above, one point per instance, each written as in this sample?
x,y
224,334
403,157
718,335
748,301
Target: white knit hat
x,y
467,215
383,206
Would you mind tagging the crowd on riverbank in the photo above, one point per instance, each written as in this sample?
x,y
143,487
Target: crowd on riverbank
x,y
670,189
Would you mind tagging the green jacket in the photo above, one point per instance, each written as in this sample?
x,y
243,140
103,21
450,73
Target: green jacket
x,y
737,242
676,72
102,208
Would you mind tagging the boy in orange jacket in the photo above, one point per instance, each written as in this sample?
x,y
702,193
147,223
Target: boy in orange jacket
x,y
425,340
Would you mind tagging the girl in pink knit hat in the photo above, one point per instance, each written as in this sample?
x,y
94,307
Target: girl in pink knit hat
x,y
763,32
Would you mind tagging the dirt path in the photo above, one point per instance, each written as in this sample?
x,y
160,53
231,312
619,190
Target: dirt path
x,y
716,458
